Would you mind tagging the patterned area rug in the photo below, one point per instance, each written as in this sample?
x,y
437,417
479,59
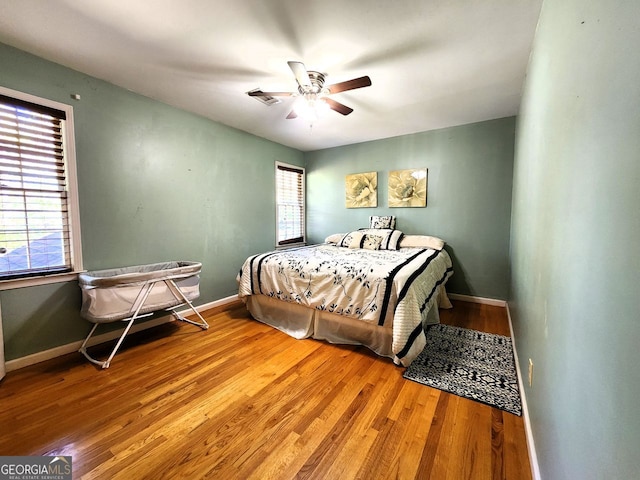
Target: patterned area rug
x,y
470,364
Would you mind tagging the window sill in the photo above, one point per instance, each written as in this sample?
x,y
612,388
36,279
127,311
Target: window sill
x,y
35,281
290,245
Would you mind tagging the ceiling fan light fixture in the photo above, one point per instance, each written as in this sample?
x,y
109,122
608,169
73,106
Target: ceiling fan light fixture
x,y
311,107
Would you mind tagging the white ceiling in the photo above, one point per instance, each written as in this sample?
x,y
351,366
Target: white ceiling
x,y
432,63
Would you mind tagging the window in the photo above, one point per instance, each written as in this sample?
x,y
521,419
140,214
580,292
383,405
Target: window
x,y
39,221
289,204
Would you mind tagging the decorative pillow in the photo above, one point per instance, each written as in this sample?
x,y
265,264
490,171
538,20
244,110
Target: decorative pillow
x,y
377,221
371,242
422,241
334,238
346,240
390,238
355,239
364,240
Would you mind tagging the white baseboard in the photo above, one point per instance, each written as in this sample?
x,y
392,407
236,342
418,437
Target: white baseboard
x,y
38,357
486,301
533,456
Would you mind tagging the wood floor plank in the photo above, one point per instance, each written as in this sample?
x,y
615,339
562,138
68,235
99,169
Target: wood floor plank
x,y
243,400
434,438
317,415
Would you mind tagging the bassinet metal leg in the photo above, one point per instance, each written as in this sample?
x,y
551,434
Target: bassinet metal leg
x,y
83,347
137,305
171,285
105,363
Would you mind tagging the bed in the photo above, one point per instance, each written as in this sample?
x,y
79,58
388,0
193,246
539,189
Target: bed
x,y
372,287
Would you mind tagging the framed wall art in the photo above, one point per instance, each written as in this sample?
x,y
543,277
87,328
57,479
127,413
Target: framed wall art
x,y
408,188
361,190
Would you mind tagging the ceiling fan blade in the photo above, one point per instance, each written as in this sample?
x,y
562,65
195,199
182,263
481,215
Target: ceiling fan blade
x,y
300,71
260,93
350,85
337,106
292,114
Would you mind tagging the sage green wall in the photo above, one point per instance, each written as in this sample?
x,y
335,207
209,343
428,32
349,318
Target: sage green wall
x,y
575,239
470,171
155,184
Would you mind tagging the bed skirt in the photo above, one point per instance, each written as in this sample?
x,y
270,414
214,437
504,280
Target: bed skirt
x,y
299,321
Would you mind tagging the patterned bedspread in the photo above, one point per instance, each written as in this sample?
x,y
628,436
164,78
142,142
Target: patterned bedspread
x,y
390,288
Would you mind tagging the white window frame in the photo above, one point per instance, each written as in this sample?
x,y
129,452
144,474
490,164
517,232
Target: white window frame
x,y
304,206
73,205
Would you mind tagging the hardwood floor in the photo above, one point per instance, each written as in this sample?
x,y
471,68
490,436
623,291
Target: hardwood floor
x,y
245,401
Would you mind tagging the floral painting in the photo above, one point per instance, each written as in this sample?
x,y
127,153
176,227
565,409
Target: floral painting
x,y
361,190
408,188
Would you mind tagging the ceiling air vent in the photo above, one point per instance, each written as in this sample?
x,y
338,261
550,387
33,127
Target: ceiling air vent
x,y
266,99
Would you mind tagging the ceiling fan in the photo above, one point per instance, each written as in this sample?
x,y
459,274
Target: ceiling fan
x,y
315,94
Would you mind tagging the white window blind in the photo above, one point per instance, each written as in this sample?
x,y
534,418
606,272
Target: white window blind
x,y
289,204
35,236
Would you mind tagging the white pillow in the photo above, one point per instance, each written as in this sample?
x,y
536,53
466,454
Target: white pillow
x,y
334,238
422,241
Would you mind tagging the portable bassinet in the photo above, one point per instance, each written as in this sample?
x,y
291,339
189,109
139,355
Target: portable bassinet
x,y
130,293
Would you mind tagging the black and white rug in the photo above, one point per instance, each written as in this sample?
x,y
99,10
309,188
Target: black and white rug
x,y
470,364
